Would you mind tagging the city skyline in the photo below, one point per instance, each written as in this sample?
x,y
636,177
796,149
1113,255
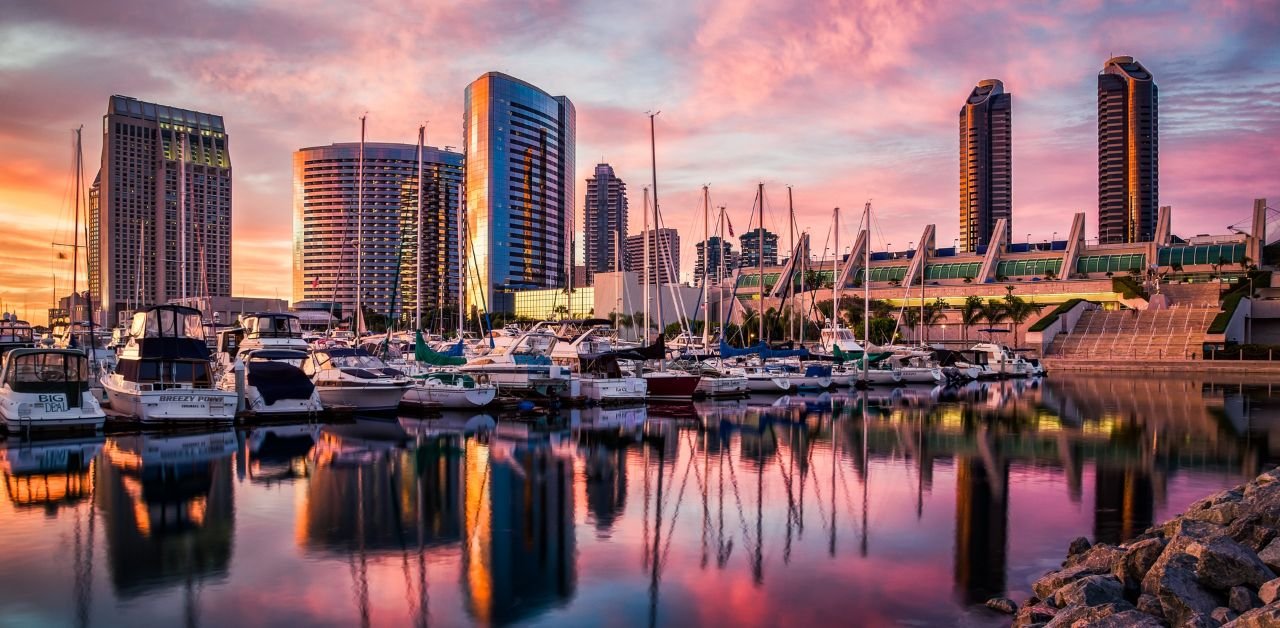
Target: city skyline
x,y
740,103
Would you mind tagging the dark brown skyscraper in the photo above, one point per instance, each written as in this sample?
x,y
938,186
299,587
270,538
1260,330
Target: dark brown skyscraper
x,y
605,215
1128,152
986,164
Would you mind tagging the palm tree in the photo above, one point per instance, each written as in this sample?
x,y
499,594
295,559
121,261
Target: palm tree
x,y
910,317
971,313
1018,311
996,311
934,313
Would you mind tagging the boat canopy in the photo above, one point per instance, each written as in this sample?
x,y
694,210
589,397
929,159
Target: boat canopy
x,y
427,355
271,325
841,355
168,321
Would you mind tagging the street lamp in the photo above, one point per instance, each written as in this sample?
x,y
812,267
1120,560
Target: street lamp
x,y
1028,241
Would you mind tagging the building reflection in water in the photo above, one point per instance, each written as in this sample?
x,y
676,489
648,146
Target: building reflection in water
x,y
603,436
49,474
519,547
168,505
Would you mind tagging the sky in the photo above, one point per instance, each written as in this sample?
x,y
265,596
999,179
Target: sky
x,y
846,102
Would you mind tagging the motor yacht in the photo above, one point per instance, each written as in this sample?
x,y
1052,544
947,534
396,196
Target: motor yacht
x,y
271,350
448,389
522,367
1003,361
354,379
164,374
47,389
15,333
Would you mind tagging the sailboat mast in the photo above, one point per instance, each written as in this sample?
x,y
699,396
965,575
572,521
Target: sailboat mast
x,y
706,259
418,221
359,315
866,291
645,277
791,234
835,274
760,256
653,163
924,252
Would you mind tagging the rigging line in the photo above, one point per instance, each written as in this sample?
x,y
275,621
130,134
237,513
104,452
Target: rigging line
x,y
733,482
817,490
675,514
786,480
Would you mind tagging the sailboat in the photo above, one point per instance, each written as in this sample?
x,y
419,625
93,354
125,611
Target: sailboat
x,y
662,384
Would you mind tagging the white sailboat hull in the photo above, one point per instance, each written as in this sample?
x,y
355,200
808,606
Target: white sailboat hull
x,y
726,386
369,397
768,384
881,377
915,375
450,396
614,390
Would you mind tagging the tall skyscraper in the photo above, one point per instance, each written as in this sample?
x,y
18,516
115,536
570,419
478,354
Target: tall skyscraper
x,y
160,207
664,255
750,255
717,254
605,215
325,227
986,164
1128,152
520,190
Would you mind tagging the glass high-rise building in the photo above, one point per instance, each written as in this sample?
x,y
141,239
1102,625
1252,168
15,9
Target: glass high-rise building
x,y
752,250
397,238
1128,152
159,208
605,216
986,164
519,143
716,255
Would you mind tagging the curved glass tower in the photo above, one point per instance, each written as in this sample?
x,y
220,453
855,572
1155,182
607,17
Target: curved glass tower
x,y
519,183
1128,152
986,164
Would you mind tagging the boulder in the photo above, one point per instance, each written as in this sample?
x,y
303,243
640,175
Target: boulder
x,y
1137,561
1243,599
1269,591
1173,581
1126,619
1270,555
1265,617
1252,530
1223,615
1101,558
1002,604
1049,583
1223,563
1077,616
1089,591
1033,615
1078,546
1150,605
1221,514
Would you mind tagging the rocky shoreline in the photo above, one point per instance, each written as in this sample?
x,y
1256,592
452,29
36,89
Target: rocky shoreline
x,y
1214,565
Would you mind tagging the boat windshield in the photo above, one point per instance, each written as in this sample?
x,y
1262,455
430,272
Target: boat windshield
x,y
169,322
273,327
15,333
46,368
358,361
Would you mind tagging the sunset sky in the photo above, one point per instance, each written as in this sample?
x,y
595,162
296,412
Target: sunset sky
x,y
844,101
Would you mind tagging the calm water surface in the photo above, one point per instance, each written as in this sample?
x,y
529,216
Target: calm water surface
x,y
910,506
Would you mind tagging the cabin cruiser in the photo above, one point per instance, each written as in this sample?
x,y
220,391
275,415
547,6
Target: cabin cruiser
x,y
47,389
916,367
448,389
715,382
1002,361
95,343
831,337
272,352
164,374
522,367
14,333
590,353
354,379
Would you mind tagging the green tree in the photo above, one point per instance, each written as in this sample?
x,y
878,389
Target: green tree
x,y
996,311
1018,311
971,313
934,314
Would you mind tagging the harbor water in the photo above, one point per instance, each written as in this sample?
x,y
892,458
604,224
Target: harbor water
x,y
905,506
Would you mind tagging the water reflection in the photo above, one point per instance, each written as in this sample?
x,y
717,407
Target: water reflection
x,y
812,507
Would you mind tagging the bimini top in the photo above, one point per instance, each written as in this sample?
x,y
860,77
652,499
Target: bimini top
x,y
168,321
271,325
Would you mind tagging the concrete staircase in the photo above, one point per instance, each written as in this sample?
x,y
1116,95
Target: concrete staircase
x,y
1193,294
1173,334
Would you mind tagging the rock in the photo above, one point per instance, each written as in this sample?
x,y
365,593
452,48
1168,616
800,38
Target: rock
x,y
1077,616
1100,558
1252,530
1173,581
1269,591
1049,583
1243,599
1002,604
1181,532
1089,591
1266,617
1137,561
1127,619
1223,615
1270,555
1222,563
1033,615
1078,546
1198,621
1150,605
1221,514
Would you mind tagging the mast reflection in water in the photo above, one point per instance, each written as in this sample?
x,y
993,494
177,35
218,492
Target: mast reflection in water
x,y
898,505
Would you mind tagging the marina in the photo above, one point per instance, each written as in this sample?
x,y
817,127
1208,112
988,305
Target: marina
x,y
910,503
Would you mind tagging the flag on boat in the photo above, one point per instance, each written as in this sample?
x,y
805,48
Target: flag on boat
x,y
729,222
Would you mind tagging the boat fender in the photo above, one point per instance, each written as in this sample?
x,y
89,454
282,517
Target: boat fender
x,y
525,406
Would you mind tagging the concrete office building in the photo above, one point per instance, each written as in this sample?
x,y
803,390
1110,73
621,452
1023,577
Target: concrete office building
x,y
664,255
159,208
